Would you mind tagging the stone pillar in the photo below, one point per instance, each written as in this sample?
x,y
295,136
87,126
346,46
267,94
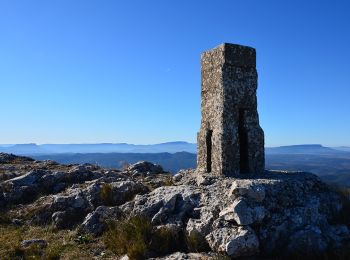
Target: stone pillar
x,y
230,140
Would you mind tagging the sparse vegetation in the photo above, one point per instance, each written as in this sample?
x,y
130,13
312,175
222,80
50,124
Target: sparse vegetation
x,y
196,243
168,181
136,237
164,179
131,236
62,244
166,240
107,194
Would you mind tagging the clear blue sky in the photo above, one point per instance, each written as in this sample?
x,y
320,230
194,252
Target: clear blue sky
x,y
87,71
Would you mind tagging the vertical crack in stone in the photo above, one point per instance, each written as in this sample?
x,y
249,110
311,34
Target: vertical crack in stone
x,y
209,148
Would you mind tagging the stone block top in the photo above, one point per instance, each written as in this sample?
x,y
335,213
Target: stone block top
x,y
232,54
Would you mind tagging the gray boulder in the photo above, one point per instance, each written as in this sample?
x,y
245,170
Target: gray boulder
x,y
247,188
242,213
234,241
144,167
95,222
166,205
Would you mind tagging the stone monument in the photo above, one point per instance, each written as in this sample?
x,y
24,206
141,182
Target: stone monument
x,y
230,140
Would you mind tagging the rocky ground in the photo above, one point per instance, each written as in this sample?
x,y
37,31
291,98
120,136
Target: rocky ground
x,y
53,211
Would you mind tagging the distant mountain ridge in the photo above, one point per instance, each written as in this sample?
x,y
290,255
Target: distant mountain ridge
x,y
32,149
332,163
168,147
303,149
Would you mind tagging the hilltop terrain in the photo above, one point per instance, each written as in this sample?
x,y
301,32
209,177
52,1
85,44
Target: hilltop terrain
x,y
332,164
56,211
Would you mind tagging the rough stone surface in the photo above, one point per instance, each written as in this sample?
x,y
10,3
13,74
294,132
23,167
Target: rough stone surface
x,y
165,205
234,241
247,187
186,256
242,213
230,140
145,167
95,222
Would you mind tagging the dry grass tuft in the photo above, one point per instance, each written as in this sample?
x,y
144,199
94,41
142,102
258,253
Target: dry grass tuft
x,y
107,194
196,243
129,236
136,237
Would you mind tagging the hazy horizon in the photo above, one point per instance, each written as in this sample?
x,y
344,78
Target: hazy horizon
x,y
32,143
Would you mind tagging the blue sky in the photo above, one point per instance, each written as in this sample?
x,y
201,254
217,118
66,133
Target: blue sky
x,y
87,71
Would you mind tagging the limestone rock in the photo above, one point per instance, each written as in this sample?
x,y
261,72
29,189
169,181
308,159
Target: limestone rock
x,y
95,222
145,167
168,204
205,179
235,241
247,187
203,225
185,256
242,213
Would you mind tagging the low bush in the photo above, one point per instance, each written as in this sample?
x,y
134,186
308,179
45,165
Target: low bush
x,y
129,236
136,237
196,243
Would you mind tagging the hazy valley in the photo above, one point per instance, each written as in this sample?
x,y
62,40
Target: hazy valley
x,y
331,164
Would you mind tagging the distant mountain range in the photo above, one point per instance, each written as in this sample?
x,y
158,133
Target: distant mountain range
x,y
331,164
169,147
172,162
30,149
306,149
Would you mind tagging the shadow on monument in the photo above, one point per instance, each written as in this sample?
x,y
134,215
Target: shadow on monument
x,y
243,143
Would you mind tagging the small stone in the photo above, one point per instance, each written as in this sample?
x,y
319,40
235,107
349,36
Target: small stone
x,y
17,222
177,177
205,179
38,242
